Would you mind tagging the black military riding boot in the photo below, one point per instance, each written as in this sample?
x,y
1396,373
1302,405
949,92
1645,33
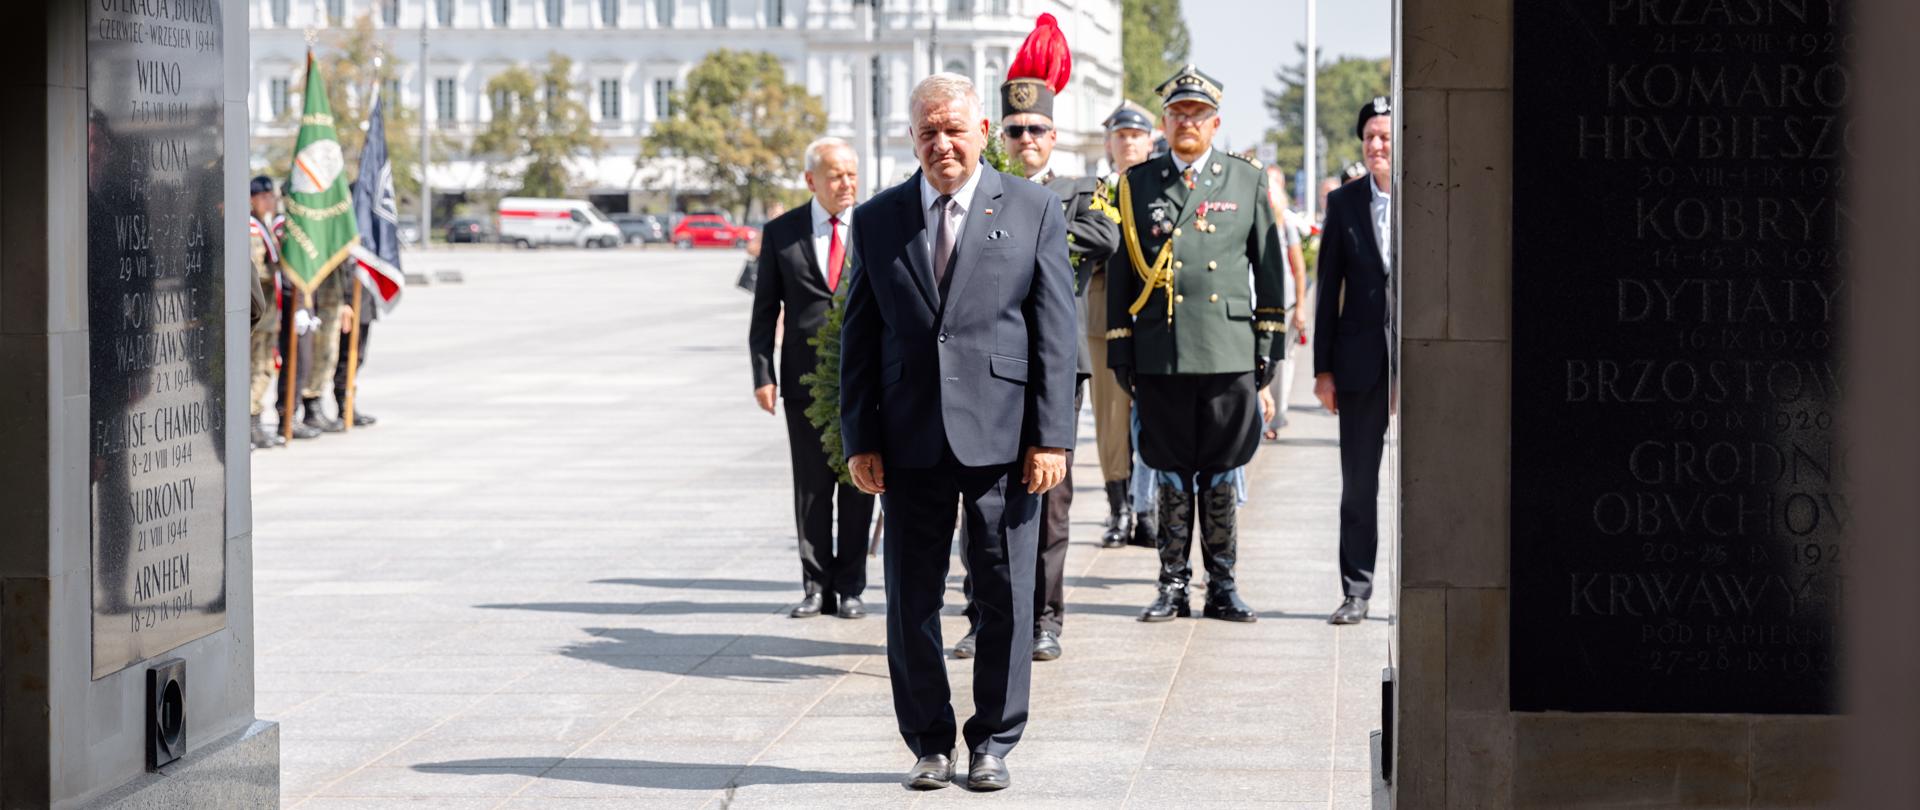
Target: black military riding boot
x,y
1117,516
318,419
1219,543
1146,527
261,438
1176,537
360,417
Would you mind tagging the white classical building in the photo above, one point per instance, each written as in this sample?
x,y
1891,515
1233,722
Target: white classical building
x,y
629,55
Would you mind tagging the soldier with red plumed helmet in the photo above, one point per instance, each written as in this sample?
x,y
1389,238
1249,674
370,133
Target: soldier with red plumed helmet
x,y
1038,74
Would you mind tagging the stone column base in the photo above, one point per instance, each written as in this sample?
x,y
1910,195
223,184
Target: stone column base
x,y
238,772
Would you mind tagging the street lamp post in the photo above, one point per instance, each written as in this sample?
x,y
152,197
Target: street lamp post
x,y
1310,139
426,142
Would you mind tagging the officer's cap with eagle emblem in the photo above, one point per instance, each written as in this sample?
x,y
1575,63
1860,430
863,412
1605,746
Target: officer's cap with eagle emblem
x,y
1189,83
1039,70
1380,105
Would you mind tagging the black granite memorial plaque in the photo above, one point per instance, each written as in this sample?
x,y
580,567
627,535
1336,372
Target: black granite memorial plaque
x,y
156,176
1678,519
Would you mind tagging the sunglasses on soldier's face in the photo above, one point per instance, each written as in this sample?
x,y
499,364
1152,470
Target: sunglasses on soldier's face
x,y
1018,131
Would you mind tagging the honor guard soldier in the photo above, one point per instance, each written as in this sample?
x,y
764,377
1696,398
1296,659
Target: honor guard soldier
x,y
1192,338
1038,73
1129,142
263,242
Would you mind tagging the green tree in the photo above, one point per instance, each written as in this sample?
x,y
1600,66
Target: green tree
x,y
742,126
355,61
1344,85
539,125
1153,44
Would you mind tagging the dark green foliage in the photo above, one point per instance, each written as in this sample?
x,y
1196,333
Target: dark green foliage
x,y
823,382
1344,85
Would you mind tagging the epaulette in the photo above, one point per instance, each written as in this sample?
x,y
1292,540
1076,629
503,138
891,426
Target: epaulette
x,y
1248,158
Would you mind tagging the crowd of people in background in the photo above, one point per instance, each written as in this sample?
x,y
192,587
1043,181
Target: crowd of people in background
x,y
308,329
1188,273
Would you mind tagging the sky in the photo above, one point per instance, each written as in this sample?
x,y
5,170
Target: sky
x,y
1243,42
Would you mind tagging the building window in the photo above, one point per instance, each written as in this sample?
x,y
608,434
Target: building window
x,y
390,94
556,13
662,99
279,12
443,10
960,8
663,12
502,12
717,9
610,13
390,12
444,102
609,100
502,103
277,106
336,11
998,8
776,13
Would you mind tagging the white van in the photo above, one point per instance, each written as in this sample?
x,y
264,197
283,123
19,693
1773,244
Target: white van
x,y
529,221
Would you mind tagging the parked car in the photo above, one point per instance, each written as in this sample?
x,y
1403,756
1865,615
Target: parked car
x,y
468,229
530,221
710,229
409,230
641,227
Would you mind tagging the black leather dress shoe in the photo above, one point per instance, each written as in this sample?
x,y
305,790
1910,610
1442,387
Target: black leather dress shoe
x,y
1351,611
965,646
1046,645
808,607
851,608
1171,602
988,773
931,772
1225,604
1146,530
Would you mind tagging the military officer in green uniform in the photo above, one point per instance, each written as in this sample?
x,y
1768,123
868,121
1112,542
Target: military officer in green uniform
x,y
1196,328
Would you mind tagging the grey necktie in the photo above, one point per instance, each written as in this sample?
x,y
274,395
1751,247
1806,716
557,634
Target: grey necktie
x,y
943,238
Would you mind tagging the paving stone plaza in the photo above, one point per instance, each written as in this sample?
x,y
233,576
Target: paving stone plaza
x,y
556,575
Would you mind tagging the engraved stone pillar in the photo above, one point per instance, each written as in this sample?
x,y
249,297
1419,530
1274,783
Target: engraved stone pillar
x,y
123,367
1568,635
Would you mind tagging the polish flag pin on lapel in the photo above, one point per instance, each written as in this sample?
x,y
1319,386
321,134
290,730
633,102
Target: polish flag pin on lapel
x,y
989,212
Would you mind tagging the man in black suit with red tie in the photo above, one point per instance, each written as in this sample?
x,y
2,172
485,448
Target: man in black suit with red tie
x,y
802,263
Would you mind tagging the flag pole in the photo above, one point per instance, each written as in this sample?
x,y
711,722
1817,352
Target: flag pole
x,y
353,359
290,364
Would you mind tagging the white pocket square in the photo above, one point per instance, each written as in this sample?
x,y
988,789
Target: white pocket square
x,y
996,234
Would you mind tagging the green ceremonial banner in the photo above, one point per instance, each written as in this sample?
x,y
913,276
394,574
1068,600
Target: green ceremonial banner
x,y
320,222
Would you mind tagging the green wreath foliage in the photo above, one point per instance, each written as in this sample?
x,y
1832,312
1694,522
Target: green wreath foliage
x,y
823,382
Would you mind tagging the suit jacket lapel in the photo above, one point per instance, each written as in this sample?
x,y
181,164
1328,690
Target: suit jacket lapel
x,y
814,262
1370,241
1175,190
973,236
913,222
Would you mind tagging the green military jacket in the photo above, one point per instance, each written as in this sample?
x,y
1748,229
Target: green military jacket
x,y
1179,297
1093,234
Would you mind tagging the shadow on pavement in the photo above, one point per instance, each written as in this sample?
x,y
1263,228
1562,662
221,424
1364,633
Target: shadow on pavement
x,y
704,584
1198,600
669,608
762,658
641,773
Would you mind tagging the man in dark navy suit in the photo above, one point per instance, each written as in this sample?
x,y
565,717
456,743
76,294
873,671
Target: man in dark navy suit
x,y
1354,338
956,392
801,264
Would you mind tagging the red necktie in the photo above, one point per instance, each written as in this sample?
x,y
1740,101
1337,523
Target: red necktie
x,y
835,254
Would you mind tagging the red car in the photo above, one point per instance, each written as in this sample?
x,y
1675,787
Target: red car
x,y
710,230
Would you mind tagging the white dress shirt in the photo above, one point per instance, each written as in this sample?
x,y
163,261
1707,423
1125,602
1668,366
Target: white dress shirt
x,y
1180,166
1382,207
823,237
957,218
